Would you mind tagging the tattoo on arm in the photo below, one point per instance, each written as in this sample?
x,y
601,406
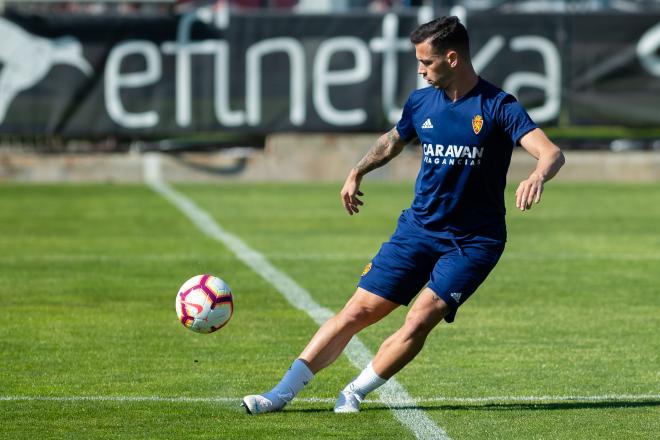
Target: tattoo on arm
x,y
386,147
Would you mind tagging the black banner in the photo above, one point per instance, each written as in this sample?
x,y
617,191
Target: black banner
x,y
207,71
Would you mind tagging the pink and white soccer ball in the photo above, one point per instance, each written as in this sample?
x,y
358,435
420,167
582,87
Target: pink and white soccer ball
x,y
204,304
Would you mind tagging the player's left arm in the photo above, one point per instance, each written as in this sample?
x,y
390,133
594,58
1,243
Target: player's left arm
x,y
550,160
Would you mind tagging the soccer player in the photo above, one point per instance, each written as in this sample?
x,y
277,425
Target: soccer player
x,y
452,236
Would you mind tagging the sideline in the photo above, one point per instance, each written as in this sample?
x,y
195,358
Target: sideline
x,y
392,394
605,398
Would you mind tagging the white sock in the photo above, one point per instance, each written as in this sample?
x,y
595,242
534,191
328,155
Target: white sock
x,y
293,381
366,382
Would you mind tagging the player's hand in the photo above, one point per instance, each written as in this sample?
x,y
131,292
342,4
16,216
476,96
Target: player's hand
x,y
529,191
350,192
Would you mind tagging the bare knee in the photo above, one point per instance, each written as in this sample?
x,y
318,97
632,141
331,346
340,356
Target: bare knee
x,y
363,309
356,316
417,326
426,313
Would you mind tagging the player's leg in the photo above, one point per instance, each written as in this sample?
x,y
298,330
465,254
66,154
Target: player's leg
x,y
402,346
394,277
454,278
397,350
362,310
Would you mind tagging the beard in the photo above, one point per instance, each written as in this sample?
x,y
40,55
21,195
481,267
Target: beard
x,y
438,83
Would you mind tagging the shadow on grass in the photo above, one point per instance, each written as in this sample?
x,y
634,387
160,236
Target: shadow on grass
x,y
549,406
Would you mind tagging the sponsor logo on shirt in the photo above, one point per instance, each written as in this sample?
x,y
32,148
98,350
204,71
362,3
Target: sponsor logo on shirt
x,y
427,123
477,123
465,155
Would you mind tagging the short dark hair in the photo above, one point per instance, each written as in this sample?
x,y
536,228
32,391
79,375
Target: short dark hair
x,y
443,33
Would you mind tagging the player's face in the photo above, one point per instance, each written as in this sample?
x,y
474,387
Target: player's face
x,y
434,68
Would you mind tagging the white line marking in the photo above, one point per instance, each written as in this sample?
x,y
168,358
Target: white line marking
x,y
95,258
309,256
543,399
614,398
392,393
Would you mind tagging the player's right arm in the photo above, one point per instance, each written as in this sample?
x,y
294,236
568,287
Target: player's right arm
x,y
550,160
385,149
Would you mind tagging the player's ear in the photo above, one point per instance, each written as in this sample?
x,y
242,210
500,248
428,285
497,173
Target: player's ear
x,y
452,58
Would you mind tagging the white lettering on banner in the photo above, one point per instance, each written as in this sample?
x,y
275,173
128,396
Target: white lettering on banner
x,y
424,15
647,50
225,115
488,52
324,78
324,83
183,49
115,81
221,96
390,44
183,84
550,84
220,49
254,54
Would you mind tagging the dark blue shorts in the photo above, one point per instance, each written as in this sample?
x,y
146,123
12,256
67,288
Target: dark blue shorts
x,y
452,268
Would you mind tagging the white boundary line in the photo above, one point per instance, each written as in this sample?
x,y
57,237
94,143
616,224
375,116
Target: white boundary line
x,y
544,399
307,256
392,393
613,398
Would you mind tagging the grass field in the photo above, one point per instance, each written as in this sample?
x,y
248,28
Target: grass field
x,y
90,347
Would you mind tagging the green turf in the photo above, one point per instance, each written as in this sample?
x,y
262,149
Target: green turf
x,y
89,274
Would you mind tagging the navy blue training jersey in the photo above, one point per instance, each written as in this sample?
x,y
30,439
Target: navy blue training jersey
x,y
467,148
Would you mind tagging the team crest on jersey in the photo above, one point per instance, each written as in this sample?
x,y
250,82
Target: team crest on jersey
x,y
366,270
477,123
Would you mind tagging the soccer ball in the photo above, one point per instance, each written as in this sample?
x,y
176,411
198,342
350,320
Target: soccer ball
x,y
204,304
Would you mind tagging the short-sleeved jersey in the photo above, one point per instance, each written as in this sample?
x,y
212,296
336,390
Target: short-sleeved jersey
x,y
466,152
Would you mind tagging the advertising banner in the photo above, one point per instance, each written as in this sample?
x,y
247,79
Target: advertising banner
x,y
261,72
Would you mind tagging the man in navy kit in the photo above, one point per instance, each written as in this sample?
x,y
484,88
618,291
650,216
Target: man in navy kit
x,y
452,236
